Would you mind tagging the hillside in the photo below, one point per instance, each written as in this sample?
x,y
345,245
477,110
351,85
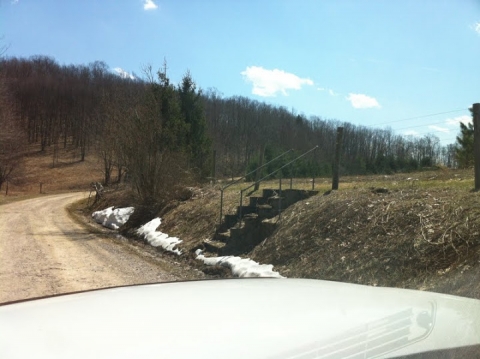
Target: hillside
x,y
68,174
417,230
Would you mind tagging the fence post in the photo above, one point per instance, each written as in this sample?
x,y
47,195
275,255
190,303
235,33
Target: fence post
x,y
336,163
291,176
476,143
280,199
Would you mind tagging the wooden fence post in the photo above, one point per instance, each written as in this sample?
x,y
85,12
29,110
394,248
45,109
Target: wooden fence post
x,y
336,163
476,143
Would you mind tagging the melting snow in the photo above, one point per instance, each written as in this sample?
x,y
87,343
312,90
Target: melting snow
x,y
240,267
113,218
158,239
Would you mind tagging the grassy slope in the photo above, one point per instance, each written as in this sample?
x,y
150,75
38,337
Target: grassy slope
x,y
423,233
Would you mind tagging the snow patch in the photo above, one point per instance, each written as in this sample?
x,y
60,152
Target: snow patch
x,y
158,239
240,267
124,74
113,218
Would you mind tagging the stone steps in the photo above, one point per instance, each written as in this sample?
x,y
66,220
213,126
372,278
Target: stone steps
x,y
233,238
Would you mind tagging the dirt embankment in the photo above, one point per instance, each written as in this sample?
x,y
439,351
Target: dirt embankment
x,y
414,231
422,239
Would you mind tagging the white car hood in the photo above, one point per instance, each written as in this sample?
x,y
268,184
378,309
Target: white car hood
x,y
240,318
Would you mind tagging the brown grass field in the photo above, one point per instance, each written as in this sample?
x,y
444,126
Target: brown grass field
x,y
69,174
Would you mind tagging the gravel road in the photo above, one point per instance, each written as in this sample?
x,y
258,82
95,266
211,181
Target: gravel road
x,y
44,252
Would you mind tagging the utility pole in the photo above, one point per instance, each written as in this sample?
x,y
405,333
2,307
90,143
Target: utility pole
x,y
336,163
476,143
214,167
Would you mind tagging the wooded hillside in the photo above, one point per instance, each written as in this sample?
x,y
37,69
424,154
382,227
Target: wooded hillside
x,y
89,109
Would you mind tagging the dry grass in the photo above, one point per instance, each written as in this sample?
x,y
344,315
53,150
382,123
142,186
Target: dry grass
x,y
424,235
197,219
388,239
417,231
69,174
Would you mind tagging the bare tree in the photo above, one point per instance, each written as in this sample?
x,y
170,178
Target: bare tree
x,y
12,138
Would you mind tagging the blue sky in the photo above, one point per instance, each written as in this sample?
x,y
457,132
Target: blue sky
x,y
410,65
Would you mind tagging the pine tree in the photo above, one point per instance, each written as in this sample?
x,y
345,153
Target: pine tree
x,y
464,149
197,142
174,128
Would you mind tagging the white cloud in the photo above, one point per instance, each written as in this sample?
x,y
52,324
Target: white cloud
x,y
268,83
456,120
13,2
476,28
123,74
149,5
359,100
439,129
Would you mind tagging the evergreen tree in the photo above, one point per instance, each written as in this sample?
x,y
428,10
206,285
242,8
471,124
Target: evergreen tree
x,y
197,143
174,128
464,149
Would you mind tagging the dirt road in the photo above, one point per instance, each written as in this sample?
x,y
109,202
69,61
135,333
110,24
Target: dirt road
x,y
44,252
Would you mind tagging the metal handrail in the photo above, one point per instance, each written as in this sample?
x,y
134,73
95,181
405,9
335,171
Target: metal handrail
x,y
267,176
244,177
278,169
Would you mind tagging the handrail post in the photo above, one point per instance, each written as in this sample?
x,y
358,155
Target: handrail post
x,y
291,176
221,206
240,209
313,173
280,198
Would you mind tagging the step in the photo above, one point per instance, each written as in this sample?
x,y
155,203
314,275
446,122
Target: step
x,y
236,233
267,212
294,195
277,203
247,210
230,220
269,192
256,201
213,246
222,237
